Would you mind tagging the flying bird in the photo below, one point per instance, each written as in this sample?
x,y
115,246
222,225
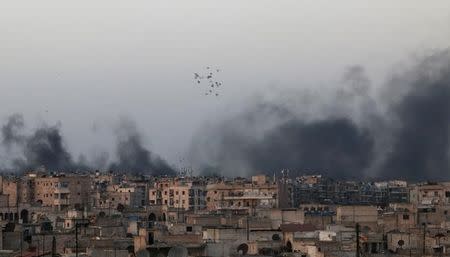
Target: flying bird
x,y
209,80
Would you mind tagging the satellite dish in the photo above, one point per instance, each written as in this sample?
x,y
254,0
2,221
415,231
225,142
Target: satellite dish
x,y
143,253
242,249
178,251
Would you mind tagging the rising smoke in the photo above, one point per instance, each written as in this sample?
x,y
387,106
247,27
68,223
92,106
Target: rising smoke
x,y
45,148
421,122
12,130
348,134
133,156
404,132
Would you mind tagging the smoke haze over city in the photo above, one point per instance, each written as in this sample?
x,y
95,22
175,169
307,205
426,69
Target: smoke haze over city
x,y
324,88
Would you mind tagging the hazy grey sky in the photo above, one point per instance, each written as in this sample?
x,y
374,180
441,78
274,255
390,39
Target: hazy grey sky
x,y
89,62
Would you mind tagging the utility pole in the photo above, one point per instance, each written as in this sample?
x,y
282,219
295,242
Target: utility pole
x,y
37,244
43,244
54,247
76,239
21,243
424,231
357,240
409,241
248,229
84,223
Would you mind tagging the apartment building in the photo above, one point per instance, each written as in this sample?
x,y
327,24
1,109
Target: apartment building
x,y
366,216
62,192
16,190
134,196
318,189
185,193
430,194
260,192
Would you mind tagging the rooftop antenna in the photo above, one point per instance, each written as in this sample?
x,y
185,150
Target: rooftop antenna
x,y
285,174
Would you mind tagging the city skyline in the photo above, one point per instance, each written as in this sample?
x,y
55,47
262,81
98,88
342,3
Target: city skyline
x,y
79,70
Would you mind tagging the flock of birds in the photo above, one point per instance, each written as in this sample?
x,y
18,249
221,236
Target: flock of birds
x,y
208,80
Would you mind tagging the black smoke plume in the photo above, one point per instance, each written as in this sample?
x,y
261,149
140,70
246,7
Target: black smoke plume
x,y
12,130
45,148
133,156
421,122
333,146
347,134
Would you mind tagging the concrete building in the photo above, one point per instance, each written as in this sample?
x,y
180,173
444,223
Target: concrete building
x,y
260,192
183,193
366,216
63,192
430,194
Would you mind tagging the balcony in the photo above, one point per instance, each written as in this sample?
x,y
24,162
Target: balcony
x,y
61,202
249,196
62,190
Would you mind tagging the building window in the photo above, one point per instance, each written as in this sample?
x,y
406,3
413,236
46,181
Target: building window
x,y
406,216
183,193
189,229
